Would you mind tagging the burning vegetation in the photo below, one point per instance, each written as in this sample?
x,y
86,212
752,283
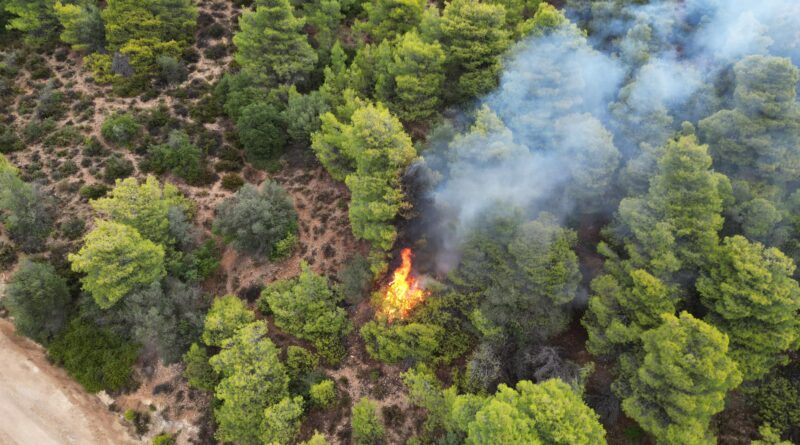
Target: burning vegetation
x,y
404,292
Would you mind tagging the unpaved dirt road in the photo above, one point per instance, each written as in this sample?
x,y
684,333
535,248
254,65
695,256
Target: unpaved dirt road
x,y
41,405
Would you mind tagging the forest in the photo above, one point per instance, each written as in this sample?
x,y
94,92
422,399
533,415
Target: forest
x,y
420,222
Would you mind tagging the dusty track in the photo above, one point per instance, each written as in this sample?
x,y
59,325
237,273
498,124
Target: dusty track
x,y
41,405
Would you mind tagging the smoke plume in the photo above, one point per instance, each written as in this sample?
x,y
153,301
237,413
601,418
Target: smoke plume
x,y
572,111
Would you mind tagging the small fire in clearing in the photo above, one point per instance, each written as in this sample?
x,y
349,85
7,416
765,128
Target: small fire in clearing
x,y
404,291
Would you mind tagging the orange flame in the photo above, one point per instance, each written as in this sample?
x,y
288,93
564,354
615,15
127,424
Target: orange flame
x,y
403,292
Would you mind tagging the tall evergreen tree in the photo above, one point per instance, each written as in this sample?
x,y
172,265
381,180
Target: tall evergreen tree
x,y
753,298
271,45
474,35
681,381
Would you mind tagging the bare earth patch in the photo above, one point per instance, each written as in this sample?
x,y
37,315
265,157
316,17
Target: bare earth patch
x,y
40,404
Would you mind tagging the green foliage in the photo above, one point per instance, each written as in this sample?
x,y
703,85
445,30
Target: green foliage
x,y
270,45
261,132
179,156
394,343
387,19
255,220
226,316
681,381
752,297
355,279
366,423
198,372
121,130
474,35
769,437
776,401
96,358
145,207
35,18
25,211
302,115
300,361
232,182
117,167
282,421
375,152
306,307
164,439
548,413
323,393
316,439
38,299
417,71
253,379
83,26
117,260
525,274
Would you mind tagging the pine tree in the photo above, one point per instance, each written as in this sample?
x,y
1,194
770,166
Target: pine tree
x,y
474,36
117,260
271,46
753,298
387,19
418,74
682,381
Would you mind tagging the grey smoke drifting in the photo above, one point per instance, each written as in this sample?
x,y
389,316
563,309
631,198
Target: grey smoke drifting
x,y
571,112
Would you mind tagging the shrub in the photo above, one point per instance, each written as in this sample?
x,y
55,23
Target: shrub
x,y
171,70
94,356
355,279
117,167
9,141
776,401
73,228
366,423
39,299
8,255
93,191
232,182
300,361
180,156
255,220
261,132
36,130
121,130
164,439
323,393
198,372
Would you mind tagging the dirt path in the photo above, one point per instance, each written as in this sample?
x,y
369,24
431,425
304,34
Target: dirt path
x,y
40,404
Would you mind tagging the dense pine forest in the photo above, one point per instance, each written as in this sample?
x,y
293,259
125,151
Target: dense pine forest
x,y
480,222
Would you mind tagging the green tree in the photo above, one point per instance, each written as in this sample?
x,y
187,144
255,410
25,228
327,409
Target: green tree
x,y
38,299
178,19
394,343
253,379
255,220
226,316
524,274
379,150
323,393
145,207
752,297
682,380
317,439
179,156
121,129
36,19
366,423
271,46
25,211
474,36
302,115
261,132
769,437
548,413
282,421
418,75
760,135
83,26
117,260
198,372
127,20
306,307
95,357
387,19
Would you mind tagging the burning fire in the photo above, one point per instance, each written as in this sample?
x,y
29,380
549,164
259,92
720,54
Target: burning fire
x,y
404,291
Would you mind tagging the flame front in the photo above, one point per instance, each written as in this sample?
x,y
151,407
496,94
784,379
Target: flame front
x,y
403,292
